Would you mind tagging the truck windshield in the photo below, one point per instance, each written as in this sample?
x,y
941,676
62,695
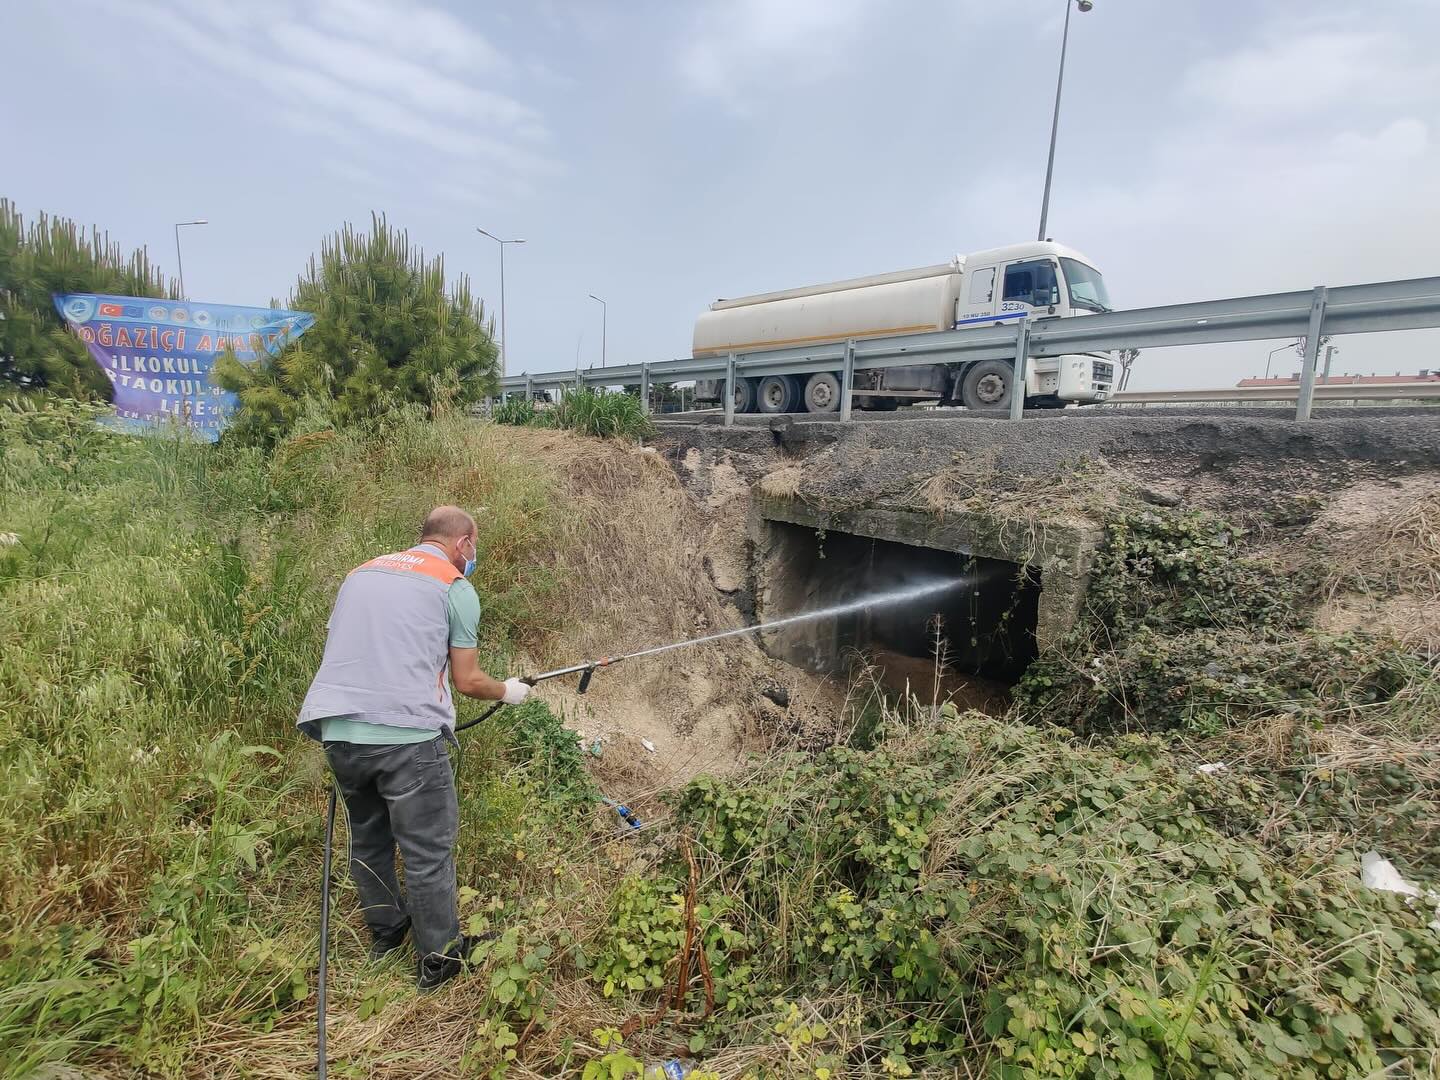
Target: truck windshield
x,y
1087,287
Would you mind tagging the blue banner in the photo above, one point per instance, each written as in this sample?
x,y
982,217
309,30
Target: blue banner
x,y
158,354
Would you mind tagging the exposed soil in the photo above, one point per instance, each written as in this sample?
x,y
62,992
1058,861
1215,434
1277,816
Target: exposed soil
x,y
668,565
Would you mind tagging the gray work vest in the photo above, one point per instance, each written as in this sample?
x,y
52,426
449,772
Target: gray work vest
x,y
388,646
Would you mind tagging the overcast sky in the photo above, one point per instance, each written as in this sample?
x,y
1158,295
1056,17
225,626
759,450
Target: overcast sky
x,y
662,154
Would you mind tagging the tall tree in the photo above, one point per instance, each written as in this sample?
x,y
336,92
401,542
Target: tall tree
x,y
1127,361
387,330
50,255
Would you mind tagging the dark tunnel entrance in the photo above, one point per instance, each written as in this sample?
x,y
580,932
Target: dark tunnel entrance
x,y
987,621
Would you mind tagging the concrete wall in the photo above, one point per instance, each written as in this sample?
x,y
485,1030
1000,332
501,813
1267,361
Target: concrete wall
x,y
1062,553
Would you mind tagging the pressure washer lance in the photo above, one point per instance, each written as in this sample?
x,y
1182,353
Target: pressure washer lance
x,y
586,671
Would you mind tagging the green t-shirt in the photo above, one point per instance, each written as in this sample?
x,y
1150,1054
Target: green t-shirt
x,y
462,606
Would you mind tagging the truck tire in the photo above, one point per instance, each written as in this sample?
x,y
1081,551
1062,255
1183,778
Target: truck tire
x,y
744,395
777,394
822,392
988,385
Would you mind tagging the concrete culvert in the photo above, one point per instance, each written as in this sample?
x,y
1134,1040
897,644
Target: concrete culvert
x,y
986,620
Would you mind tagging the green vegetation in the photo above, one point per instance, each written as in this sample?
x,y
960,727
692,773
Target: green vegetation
x,y
977,894
52,255
588,411
388,329
517,412
1185,629
164,608
963,894
1190,633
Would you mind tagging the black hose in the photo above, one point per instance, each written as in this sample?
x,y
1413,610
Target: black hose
x,y
481,718
320,1062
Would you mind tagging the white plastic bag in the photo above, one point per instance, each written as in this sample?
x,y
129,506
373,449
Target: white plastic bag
x,y
1380,874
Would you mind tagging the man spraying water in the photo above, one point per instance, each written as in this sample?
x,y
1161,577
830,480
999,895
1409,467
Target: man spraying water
x,y
382,706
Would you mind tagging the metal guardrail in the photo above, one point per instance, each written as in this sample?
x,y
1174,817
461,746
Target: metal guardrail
x,y
1349,309
1404,391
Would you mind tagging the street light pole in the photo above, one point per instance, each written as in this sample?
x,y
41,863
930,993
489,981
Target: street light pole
x,y
1083,5
604,319
179,262
1272,352
504,353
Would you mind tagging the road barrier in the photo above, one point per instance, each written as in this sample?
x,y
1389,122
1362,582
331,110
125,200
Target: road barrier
x,y
1401,391
1320,312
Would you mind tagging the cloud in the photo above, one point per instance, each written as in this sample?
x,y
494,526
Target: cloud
x,y
733,45
1401,140
424,34
401,79
1319,69
351,70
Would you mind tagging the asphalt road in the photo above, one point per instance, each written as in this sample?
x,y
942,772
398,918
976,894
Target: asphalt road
x,y
1132,412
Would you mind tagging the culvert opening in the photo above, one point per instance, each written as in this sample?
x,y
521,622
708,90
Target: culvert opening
x,y
987,622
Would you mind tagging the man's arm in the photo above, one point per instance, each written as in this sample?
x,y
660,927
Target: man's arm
x,y
469,679
463,608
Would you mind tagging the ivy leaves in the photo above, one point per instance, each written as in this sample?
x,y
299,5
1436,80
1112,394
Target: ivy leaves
x,y
987,888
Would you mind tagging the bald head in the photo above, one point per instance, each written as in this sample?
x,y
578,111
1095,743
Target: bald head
x,y
447,524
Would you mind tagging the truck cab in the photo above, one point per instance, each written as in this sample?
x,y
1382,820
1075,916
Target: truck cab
x,y
1037,280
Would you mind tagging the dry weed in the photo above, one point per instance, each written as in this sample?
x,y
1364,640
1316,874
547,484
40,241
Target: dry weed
x,y
1396,552
783,483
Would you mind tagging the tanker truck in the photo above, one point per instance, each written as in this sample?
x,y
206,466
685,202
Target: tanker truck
x,y
1036,280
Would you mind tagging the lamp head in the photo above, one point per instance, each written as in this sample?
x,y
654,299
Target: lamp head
x,y
1085,5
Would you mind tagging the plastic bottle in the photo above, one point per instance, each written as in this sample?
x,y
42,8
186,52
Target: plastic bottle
x,y
669,1069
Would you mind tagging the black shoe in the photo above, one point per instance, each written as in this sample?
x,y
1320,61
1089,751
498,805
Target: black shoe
x,y
438,969
382,945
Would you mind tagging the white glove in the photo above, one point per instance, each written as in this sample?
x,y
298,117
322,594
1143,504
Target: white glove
x,y
516,691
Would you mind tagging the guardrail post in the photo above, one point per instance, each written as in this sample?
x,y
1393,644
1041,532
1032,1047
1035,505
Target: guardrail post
x,y
730,391
847,382
1312,354
1017,382
645,388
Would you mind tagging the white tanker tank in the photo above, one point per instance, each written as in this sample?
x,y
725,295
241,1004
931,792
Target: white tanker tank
x,y
1036,280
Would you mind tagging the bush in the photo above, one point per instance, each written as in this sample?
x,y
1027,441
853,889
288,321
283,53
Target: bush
x,y
517,412
1183,629
1184,571
594,412
985,894
588,411
389,331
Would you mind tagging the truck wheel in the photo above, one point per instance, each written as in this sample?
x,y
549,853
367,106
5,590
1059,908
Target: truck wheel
x,y
822,392
776,394
988,385
744,395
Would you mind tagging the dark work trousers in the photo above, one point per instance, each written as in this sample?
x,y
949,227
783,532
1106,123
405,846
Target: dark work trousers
x,y
402,795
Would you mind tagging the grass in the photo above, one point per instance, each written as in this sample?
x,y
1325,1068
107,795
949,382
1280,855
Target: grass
x,y
164,611
588,411
961,893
